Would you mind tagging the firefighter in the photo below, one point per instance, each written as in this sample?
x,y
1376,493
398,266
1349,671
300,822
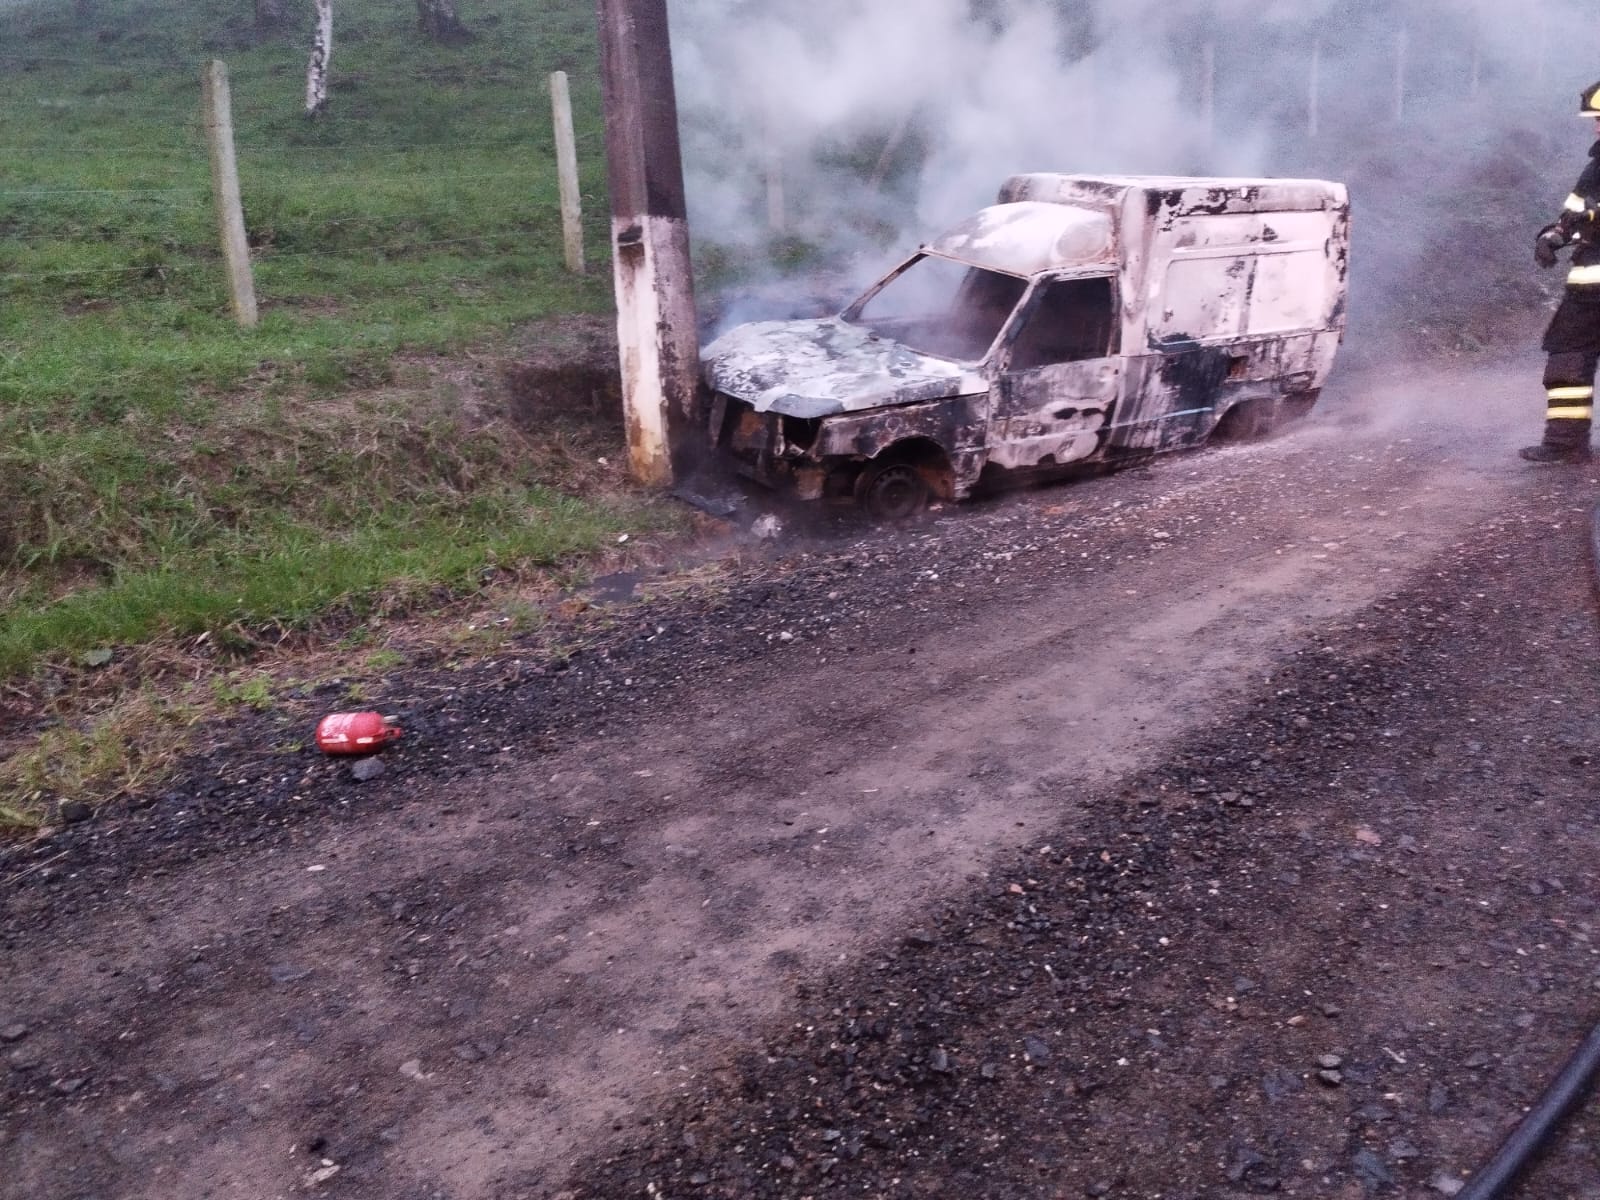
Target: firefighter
x,y
1573,339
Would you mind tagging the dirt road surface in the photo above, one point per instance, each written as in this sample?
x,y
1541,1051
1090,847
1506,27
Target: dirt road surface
x,y
1225,827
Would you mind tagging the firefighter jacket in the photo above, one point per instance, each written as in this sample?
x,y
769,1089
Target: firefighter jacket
x,y
1576,327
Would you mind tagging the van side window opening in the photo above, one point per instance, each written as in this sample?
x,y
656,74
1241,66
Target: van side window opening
x,y
944,308
1074,320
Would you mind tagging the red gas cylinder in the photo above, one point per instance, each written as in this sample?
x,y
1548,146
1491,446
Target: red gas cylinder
x,y
354,733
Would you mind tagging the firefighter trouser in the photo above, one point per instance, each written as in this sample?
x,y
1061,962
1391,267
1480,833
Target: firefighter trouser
x,y
1569,387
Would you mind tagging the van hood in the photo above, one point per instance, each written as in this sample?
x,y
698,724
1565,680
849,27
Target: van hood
x,y
813,369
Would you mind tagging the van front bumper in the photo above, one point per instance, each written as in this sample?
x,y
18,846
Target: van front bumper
x,y
773,450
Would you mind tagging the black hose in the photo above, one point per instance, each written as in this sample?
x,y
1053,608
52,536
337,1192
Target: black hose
x,y
1594,543
1546,1116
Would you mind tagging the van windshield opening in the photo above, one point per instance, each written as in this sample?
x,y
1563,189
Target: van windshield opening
x,y
944,308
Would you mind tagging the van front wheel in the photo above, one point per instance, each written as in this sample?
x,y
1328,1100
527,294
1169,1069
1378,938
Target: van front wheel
x,y
892,491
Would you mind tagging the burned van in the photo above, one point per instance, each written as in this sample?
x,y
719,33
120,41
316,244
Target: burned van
x,y
1081,320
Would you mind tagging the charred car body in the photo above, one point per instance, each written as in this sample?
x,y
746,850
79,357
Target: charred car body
x,y
1081,320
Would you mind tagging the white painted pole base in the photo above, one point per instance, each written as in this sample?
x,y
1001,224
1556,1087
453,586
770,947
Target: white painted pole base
x,y
657,338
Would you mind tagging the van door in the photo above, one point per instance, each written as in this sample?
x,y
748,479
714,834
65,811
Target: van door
x,y
1060,377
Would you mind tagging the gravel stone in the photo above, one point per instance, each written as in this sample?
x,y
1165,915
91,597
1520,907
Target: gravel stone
x,y
1372,1170
365,770
1280,1084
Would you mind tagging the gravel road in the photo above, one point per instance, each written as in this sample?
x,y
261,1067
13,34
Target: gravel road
x,y
1223,827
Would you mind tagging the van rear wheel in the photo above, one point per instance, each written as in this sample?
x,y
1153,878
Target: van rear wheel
x,y
892,491
1247,421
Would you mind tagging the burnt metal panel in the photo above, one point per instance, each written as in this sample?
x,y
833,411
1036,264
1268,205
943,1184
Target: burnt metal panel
x,y
1031,237
823,368
960,423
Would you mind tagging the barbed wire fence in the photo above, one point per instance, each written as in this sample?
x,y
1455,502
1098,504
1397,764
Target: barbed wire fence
x,y
105,217
87,216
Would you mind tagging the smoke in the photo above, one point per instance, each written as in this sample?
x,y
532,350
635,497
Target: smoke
x,y
834,131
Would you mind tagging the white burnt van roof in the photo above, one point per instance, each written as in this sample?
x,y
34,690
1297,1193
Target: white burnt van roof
x,y
1178,194
1050,222
1029,237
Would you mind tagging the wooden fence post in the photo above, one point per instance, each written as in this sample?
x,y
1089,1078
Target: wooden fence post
x,y
1402,48
1541,42
897,136
1476,17
567,165
1314,91
225,188
777,207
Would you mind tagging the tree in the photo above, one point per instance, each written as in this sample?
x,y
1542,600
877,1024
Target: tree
x,y
321,53
438,20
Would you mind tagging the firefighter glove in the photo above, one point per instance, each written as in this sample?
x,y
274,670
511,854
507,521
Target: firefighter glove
x,y
1549,241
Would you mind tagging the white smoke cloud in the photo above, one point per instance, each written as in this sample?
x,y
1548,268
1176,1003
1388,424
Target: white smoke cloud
x,y
1413,103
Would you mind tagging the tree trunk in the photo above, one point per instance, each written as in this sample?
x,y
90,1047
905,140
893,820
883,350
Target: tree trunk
x,y
271,15
321,53
438,21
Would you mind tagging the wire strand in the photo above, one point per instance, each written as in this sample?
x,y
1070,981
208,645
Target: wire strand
x,y
391,247
35,193
194,260
153,269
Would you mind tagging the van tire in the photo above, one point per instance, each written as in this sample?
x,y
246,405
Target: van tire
x,y
1297,406
892,490
1247,421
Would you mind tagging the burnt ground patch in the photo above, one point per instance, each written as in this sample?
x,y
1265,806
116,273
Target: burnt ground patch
x,y
580,393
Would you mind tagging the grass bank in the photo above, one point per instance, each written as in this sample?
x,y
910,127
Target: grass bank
x,y
170,481
162,471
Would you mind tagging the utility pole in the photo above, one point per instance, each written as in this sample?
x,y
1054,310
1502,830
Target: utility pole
x,y
650,238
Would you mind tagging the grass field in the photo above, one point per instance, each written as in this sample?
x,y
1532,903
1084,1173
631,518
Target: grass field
x,y
169,482
162,471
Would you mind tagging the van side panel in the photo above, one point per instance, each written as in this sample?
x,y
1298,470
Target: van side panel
x,y
1219,277
1174,397
1235,306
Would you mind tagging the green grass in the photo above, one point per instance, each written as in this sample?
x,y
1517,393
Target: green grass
x,y
162,471
297,575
